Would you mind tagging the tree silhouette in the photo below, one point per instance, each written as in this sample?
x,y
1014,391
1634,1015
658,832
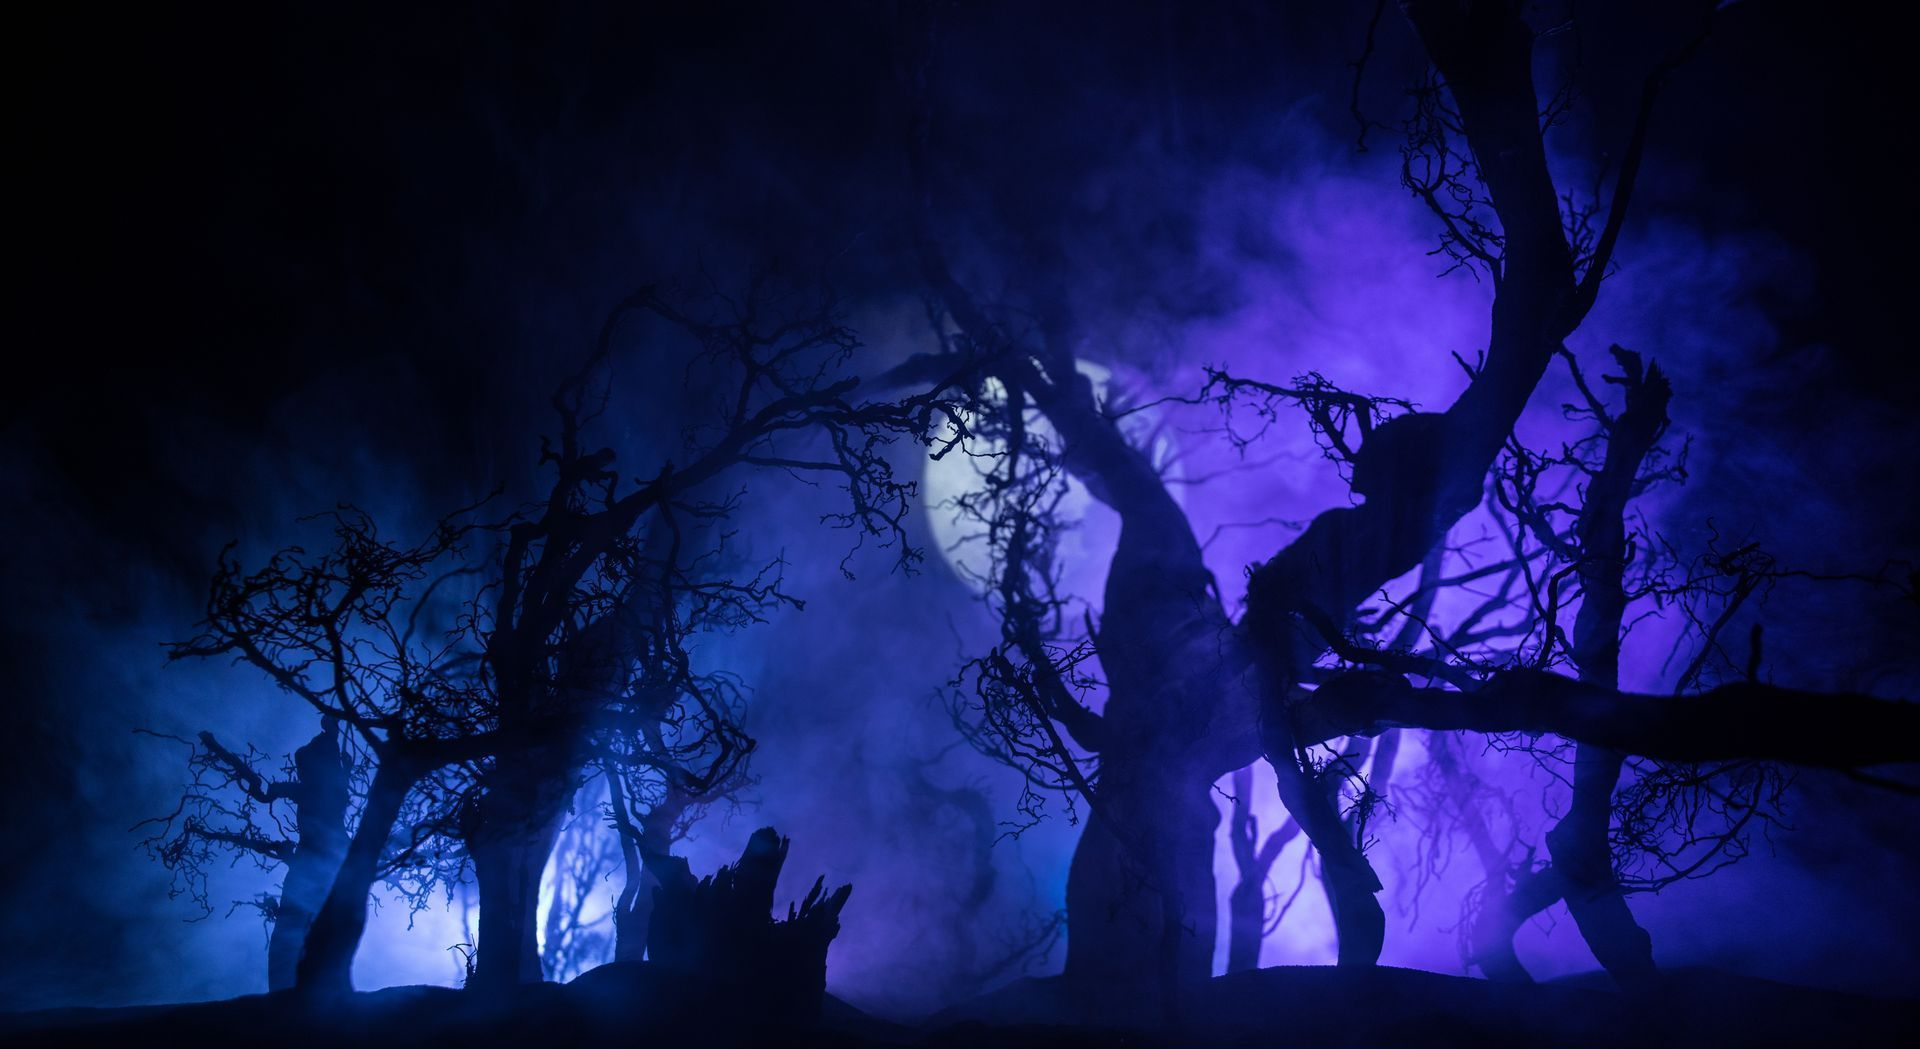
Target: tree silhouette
x,y
1134,716
722,930
1253,859
486,667
230,805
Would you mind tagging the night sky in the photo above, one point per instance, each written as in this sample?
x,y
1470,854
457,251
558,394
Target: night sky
x,y
272,259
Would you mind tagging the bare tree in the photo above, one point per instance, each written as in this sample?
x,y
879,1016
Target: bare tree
x,y
230,806
1253,859
585,858
337,631
1578,543
1134,716
495,671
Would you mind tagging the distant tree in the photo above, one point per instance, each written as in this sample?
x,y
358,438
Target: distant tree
x,y
231,807
649,820
1599,551
989,946
576,933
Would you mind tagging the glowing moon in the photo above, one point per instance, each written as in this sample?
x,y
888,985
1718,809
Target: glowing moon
x,y
1083,551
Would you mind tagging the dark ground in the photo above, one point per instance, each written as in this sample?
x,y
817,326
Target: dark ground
x,y
1322,1007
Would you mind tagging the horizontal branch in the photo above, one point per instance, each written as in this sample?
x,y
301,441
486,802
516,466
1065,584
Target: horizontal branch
x,y
1740,721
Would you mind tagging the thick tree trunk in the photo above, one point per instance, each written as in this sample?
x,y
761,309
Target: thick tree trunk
x,y
518,817
1253,858
326,965
525,795
508,868
320,794
1582,854
1141,905
1141,912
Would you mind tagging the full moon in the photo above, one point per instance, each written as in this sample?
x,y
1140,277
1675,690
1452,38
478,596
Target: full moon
x,y
1083,550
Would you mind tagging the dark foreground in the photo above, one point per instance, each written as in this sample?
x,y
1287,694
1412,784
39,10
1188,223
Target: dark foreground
x,y
1318,1007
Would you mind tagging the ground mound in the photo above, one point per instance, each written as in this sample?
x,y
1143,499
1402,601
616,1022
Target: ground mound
x,y
1319,1006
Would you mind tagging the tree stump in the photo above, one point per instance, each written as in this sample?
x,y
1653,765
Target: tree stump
x,y
721,930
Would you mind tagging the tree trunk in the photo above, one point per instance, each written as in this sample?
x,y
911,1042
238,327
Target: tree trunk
x,y
1581,852
326,965
1140,892
1246,913
1360,924
1435,473
291,921
1358,920
320,795
1141,912
508,868
518,817
633,914
1141,909
633,909
1502,914
1582,874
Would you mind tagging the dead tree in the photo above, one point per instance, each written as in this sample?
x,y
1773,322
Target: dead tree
x,y
649,813
554,637
336,631
989,946
230,805
1191,695
1681,820
579,637
1253,859
1582,868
